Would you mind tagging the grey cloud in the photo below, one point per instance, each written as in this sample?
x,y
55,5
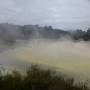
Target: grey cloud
x,y
57,13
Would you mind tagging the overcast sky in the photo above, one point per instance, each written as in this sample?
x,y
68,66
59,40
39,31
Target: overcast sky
x,y
66,14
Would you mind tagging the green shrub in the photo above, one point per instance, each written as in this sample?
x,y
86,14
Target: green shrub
x,y
38,79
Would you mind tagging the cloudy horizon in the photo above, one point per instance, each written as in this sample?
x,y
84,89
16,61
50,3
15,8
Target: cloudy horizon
x,y
65,14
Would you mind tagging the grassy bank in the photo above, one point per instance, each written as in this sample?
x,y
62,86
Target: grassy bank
x,y
39,79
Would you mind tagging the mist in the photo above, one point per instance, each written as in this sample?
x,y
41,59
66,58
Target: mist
x,y
66,56
53,35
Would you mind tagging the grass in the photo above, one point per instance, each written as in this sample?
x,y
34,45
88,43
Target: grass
x,y
36,78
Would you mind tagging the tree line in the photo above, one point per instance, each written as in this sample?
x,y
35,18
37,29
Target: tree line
x,y
9,33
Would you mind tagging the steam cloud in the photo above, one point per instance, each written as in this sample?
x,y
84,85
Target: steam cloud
x,y
64,55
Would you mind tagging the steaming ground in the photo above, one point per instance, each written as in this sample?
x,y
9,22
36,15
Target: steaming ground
x,y
66,56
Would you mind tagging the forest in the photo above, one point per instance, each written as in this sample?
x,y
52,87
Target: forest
x,y
9,33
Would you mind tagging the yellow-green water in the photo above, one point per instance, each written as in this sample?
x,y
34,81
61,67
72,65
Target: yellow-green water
x,y
69,56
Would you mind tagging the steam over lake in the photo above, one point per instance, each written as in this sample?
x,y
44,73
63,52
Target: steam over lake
x,y
66,56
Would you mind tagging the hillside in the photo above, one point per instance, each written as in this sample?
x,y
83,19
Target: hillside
x,y
9,33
